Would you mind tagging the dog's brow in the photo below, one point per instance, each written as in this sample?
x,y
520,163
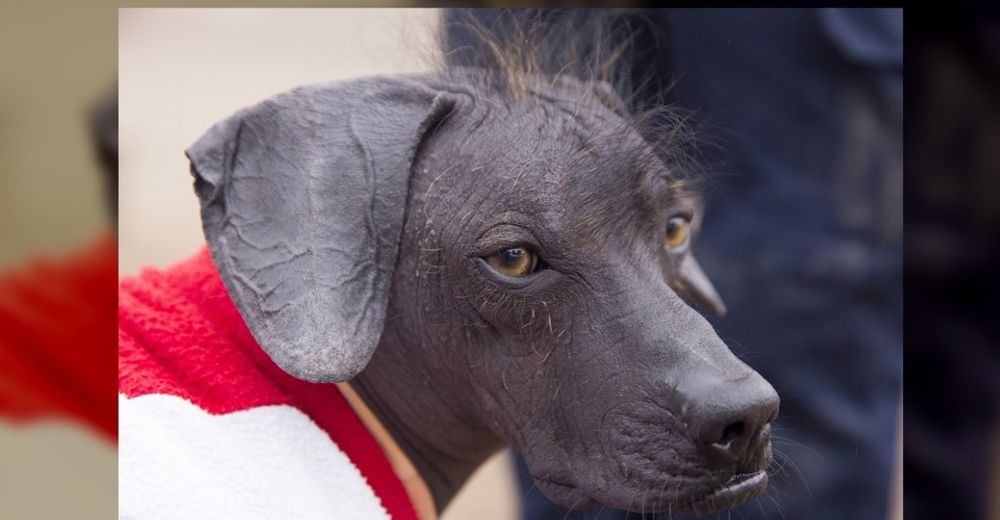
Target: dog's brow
x,y
659,182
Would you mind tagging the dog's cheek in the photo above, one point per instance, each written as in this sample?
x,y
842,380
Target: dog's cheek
x,y
499,318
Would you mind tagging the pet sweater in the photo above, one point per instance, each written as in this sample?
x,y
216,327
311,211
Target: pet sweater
x,y
210,427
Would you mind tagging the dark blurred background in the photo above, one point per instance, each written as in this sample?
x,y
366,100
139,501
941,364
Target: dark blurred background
x,y
952,453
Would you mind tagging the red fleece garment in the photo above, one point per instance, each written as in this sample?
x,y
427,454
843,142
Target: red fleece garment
x,y
181,335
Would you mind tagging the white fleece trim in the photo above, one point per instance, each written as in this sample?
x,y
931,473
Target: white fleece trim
x,y
178,461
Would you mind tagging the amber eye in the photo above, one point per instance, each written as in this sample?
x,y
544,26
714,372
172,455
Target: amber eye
x,y
514,261
678,232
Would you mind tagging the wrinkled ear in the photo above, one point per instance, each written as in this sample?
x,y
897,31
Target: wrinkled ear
x,y
302,203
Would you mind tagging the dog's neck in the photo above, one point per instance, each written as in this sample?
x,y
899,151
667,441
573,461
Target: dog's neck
x,y
413,483
426,421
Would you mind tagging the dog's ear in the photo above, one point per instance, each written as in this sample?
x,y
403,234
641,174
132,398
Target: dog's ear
x,y
302,204
690,281
698,288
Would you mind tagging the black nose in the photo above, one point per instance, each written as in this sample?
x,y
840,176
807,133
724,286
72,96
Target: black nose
x,y
732,421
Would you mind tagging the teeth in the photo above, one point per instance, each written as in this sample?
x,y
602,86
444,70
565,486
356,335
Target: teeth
x,y
738,478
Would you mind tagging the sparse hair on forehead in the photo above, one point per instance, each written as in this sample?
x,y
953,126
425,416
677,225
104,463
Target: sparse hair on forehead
x,y
616,54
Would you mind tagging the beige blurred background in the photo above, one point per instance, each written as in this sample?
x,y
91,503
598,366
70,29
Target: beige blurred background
x,y
181,70
55,60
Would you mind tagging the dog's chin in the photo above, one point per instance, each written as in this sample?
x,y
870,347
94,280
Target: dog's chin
x,y
734,492
566,495
738,489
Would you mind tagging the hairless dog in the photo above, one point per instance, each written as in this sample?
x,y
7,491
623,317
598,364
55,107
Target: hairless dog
x,y
490,260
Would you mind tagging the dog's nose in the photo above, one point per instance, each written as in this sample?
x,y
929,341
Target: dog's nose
x,y
732,420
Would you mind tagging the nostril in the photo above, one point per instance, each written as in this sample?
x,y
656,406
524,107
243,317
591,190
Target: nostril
x,y
765,432
729,434
728,422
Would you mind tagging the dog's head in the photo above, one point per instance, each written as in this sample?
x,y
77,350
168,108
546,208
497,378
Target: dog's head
x,y
533,252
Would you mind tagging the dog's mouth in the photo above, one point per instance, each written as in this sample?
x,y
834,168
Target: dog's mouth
x,y
738,489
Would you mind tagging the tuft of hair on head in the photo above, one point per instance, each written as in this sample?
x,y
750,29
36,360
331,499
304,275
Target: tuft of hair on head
x,y
614,53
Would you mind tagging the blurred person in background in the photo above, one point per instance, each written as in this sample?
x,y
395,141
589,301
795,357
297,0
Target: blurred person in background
x,y
803,228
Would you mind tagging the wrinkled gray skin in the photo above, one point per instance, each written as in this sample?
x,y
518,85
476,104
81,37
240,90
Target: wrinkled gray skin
x,y
349,222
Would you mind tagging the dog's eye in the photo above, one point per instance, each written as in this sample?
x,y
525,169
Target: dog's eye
x,y
678,233
514,261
